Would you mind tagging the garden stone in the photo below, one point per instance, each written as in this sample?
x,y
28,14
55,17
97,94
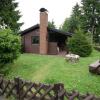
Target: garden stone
x,y
72,57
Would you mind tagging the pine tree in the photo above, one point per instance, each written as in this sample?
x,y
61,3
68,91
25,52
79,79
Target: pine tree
x,y
9,15
51,24
65,25
71,24
79,44
91,17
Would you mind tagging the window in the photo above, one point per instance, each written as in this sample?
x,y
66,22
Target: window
x,y
35,39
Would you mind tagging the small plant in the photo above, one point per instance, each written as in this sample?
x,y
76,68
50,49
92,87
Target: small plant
x,y
9,47
79,44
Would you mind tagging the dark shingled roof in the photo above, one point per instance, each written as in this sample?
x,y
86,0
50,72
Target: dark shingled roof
x,y
59,32
30,29
37,26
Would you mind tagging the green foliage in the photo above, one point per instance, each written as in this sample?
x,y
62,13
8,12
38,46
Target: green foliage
x,y
91,18
9,47
86,17
71,24
9,16
78,44
51,24
66,24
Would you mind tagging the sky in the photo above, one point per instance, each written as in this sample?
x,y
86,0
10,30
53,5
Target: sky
x,y
58,10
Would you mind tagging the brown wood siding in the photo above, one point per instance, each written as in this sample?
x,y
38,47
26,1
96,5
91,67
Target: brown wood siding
x,y
52,48
28,46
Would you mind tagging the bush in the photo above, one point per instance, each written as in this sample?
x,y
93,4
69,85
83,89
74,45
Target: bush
x,y
78,44
9,46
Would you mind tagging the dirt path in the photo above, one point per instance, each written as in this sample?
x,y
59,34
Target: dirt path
x,y
43,71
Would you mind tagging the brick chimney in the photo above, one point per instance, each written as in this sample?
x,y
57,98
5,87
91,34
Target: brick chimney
x,y
43,31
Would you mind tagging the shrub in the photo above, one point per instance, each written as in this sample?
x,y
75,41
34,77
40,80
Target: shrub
x,y
78,44
9,46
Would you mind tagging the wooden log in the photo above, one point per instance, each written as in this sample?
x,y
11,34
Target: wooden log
x,y
95,67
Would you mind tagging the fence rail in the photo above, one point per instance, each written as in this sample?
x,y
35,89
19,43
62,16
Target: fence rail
x,y
23,90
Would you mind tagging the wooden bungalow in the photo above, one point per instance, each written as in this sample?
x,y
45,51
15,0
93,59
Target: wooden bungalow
x,y
41,39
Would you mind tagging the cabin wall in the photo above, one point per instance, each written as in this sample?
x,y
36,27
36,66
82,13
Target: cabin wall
x,y
27,42
28,47
52,48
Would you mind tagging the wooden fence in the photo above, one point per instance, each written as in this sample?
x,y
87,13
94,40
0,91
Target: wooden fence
x,y
23,90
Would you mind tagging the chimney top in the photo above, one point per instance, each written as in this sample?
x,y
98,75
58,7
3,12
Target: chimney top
x,y
43,10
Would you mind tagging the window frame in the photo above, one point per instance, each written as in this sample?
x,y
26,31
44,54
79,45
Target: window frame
x,y
33,39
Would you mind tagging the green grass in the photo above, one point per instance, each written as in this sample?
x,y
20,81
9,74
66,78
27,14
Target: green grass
x,y
53,69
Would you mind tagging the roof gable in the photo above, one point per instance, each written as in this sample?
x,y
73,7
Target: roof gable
x,y
26,31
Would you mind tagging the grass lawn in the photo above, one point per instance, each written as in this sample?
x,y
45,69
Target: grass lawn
x,y
53,69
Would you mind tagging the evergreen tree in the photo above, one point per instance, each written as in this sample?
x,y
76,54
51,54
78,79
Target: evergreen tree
x,y
91,17
51,24
71,24
65,26
78,44
9,15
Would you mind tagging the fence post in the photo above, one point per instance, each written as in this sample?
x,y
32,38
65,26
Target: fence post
x,y
17,87
19,91
58,89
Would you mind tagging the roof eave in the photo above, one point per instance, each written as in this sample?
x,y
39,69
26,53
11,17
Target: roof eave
x,y
37,26
29,29
60,32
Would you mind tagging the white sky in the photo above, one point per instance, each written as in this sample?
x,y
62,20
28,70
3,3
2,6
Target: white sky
x,y
58,10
